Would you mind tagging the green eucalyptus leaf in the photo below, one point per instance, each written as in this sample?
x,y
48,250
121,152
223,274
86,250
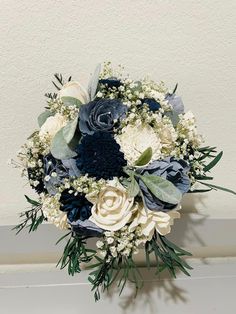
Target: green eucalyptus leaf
x,y
60,148
71,101
43,117
69,130
145,157
163,189
93,84
133,188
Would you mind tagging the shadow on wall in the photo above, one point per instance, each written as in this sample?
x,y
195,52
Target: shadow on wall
x,y
163,287
184,229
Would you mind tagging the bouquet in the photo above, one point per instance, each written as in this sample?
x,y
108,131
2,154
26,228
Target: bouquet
x,y
113,162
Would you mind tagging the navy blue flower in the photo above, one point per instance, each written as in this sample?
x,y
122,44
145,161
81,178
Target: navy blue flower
x,y
78,210
173,170
76,206
111,82
99,156
152,104
101,115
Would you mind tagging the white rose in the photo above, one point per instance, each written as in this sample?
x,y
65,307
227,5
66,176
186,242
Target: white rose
x,y
51,211
135,139
76,90
149,221
113,208
52,125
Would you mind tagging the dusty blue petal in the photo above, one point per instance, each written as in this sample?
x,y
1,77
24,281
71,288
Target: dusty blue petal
x,y
101,115
70,164
176,102
173,170
86,227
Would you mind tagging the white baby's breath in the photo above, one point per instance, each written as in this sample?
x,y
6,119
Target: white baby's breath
x,y
51,211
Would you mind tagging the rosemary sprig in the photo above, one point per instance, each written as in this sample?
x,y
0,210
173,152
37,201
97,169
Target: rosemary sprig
x,y
60,81
109,269
167,255
75,252
32,218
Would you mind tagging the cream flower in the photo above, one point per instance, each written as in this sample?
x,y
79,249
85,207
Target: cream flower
x,y
51,211
168,136
113,208
52,125
75,90
149,221
135,139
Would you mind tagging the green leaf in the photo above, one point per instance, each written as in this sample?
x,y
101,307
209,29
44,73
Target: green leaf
x,y
32,202
217,187
200,191
144,158
163,189
59,147
207,149
174,246
133,188
93,84
69,130
71,101
203,178
43,117
175,88
213,162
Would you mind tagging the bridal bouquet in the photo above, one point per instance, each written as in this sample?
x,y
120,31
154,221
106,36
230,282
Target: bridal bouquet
x,y
113,161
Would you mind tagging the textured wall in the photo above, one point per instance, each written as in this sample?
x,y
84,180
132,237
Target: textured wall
x,y
189,42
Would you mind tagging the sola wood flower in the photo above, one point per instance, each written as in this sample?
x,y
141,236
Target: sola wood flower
x,y
149,221
135,139
113,208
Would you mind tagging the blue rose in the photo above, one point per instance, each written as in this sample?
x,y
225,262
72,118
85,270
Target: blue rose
x,y
101,115
173,170
62,168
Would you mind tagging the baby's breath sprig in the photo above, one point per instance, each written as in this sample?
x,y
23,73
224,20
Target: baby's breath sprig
x,y
30,157
121,243
83,184
56,105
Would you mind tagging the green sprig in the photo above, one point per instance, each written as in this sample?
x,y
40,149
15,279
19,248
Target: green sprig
x,y
167,255
109,269
32,218
75,253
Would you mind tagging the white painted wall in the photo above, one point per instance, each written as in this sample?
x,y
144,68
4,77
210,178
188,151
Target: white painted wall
x,y
186,41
